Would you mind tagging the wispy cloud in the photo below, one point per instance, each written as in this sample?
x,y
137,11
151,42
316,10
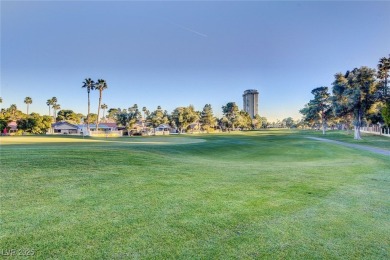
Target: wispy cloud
x,y
190,30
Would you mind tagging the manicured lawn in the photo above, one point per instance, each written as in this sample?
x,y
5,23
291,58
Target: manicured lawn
x,y
371,140
266,194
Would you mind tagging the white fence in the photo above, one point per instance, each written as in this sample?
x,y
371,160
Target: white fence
x,y
376,130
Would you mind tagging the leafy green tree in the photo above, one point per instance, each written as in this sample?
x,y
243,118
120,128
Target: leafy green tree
x,y
80,117
207,118
121,118
244,120
384,92
383,75
339,100
112,113
89,84
179,119
386,115
362,94
13,108
223,123
69,116
288,122
28,101
158,117
257,122
11,114
35,124
231,112
101,85
3,124
134,116
91,118
319,108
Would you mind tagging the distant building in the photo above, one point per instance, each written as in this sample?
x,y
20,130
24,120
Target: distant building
x,y
251,102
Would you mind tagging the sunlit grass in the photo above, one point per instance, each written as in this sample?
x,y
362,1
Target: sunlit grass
x,y
377,141
265,194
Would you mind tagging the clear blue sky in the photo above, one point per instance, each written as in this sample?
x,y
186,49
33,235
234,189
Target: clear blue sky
x,y
180,53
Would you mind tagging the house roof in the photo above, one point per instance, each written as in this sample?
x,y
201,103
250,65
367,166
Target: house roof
x,y
55,125
13,125
164,126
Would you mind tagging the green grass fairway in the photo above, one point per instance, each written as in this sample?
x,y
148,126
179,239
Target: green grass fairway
x,y
261,194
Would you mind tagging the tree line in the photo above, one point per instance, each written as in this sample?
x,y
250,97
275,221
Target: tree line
x,y
181,118
358,97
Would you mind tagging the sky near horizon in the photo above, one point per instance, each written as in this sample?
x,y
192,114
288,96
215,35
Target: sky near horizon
x,y
179,53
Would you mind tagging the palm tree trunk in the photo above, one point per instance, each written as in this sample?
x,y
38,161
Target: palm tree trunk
x,y
49,110
100,101
89,109
27,109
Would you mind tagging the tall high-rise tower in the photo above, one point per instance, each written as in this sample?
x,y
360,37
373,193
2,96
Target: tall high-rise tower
x,y
251,102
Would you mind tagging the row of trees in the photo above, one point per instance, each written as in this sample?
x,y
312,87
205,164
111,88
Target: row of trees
x,y
358,97
33,123
183,117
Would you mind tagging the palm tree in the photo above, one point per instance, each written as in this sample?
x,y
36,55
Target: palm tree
x,y
53,102
144,110
100,85
28,101
55,108
104,107
49,103
89,84
1,100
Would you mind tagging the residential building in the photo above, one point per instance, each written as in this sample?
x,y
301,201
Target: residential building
x,y
251,102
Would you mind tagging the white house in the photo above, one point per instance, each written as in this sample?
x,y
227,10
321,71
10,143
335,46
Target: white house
x,y
162,129
64,128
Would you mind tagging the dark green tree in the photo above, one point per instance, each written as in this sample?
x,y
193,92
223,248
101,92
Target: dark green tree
x,y
339,101
35,124
318,108
362,94
207,118
231,112
69,116
158,117
112,113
